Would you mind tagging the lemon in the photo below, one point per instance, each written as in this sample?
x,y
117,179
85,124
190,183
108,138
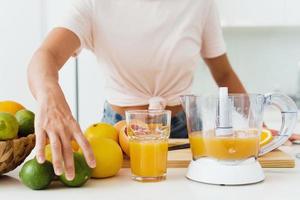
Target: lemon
x,y
48,154
108,155
101,130
10,106
265,137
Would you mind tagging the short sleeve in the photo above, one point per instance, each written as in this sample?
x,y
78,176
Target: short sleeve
x,y
79,20
212,37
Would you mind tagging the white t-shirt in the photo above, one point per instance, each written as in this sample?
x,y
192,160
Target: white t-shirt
x,y
149,49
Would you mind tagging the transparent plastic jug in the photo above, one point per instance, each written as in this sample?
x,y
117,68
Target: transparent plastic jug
x,y
244,114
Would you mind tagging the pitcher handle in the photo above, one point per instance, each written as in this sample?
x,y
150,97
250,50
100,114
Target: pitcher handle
x,y
288,111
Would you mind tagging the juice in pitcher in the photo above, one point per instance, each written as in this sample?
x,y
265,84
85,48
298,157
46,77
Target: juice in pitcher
x,y
240,145
197,144
148,158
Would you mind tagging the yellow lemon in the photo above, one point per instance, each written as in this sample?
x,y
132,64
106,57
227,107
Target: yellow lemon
x,y
101,130
108,155
48,154
10,106
265,137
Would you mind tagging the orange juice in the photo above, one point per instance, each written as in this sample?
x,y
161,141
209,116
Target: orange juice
x,y
239,145
232,148
197,144
148,158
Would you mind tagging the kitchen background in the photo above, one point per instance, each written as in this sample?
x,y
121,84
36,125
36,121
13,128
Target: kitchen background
x,y
262,37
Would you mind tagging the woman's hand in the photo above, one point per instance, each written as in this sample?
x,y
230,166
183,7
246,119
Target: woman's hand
x,y
54,120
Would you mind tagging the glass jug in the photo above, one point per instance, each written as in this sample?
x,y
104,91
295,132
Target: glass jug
x,y
231,132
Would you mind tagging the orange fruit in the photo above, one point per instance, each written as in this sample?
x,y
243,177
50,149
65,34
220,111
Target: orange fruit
x,y
101,130
10,106
265,137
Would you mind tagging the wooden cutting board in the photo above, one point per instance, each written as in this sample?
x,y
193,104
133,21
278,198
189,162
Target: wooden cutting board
x,y
181,158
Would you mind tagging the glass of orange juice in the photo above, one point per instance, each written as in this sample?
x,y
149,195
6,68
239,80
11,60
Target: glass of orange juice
x,y
148,132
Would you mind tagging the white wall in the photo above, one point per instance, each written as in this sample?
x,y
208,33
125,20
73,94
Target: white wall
x,y
20,34
54,12
91,86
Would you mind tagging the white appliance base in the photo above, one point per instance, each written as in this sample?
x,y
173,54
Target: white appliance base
x,y
211,171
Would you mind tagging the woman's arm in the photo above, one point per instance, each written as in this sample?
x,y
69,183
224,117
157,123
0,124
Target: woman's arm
x,y
224,75
54,119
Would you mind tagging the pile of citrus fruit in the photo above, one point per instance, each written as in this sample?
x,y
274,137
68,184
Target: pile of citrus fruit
x,y
15,120
39,176
104,140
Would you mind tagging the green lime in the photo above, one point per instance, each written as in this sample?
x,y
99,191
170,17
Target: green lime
x,y
37,176
26,122
82,172
8,126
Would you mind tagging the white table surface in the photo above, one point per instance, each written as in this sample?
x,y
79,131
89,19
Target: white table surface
x,y
279,184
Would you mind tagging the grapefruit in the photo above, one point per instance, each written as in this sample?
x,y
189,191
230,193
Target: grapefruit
x,y
123,133
119,125
124,140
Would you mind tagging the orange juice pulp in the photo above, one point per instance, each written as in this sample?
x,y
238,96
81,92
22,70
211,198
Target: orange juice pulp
x,y
148,158
197,144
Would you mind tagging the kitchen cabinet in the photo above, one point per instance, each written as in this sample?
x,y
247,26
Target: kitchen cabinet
x,y
259,13
292,12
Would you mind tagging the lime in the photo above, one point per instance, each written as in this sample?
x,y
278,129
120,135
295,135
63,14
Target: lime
x,y
37,176
26,122
82,172
8,126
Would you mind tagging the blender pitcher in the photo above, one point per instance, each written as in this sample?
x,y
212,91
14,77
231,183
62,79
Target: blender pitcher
x,y
224,133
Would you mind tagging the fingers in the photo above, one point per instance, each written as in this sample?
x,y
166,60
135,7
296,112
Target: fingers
x,y
295,137
56,153
40,145
86,148
68,159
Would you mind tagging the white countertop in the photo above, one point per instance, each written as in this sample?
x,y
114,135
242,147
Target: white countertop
x,y
279,184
